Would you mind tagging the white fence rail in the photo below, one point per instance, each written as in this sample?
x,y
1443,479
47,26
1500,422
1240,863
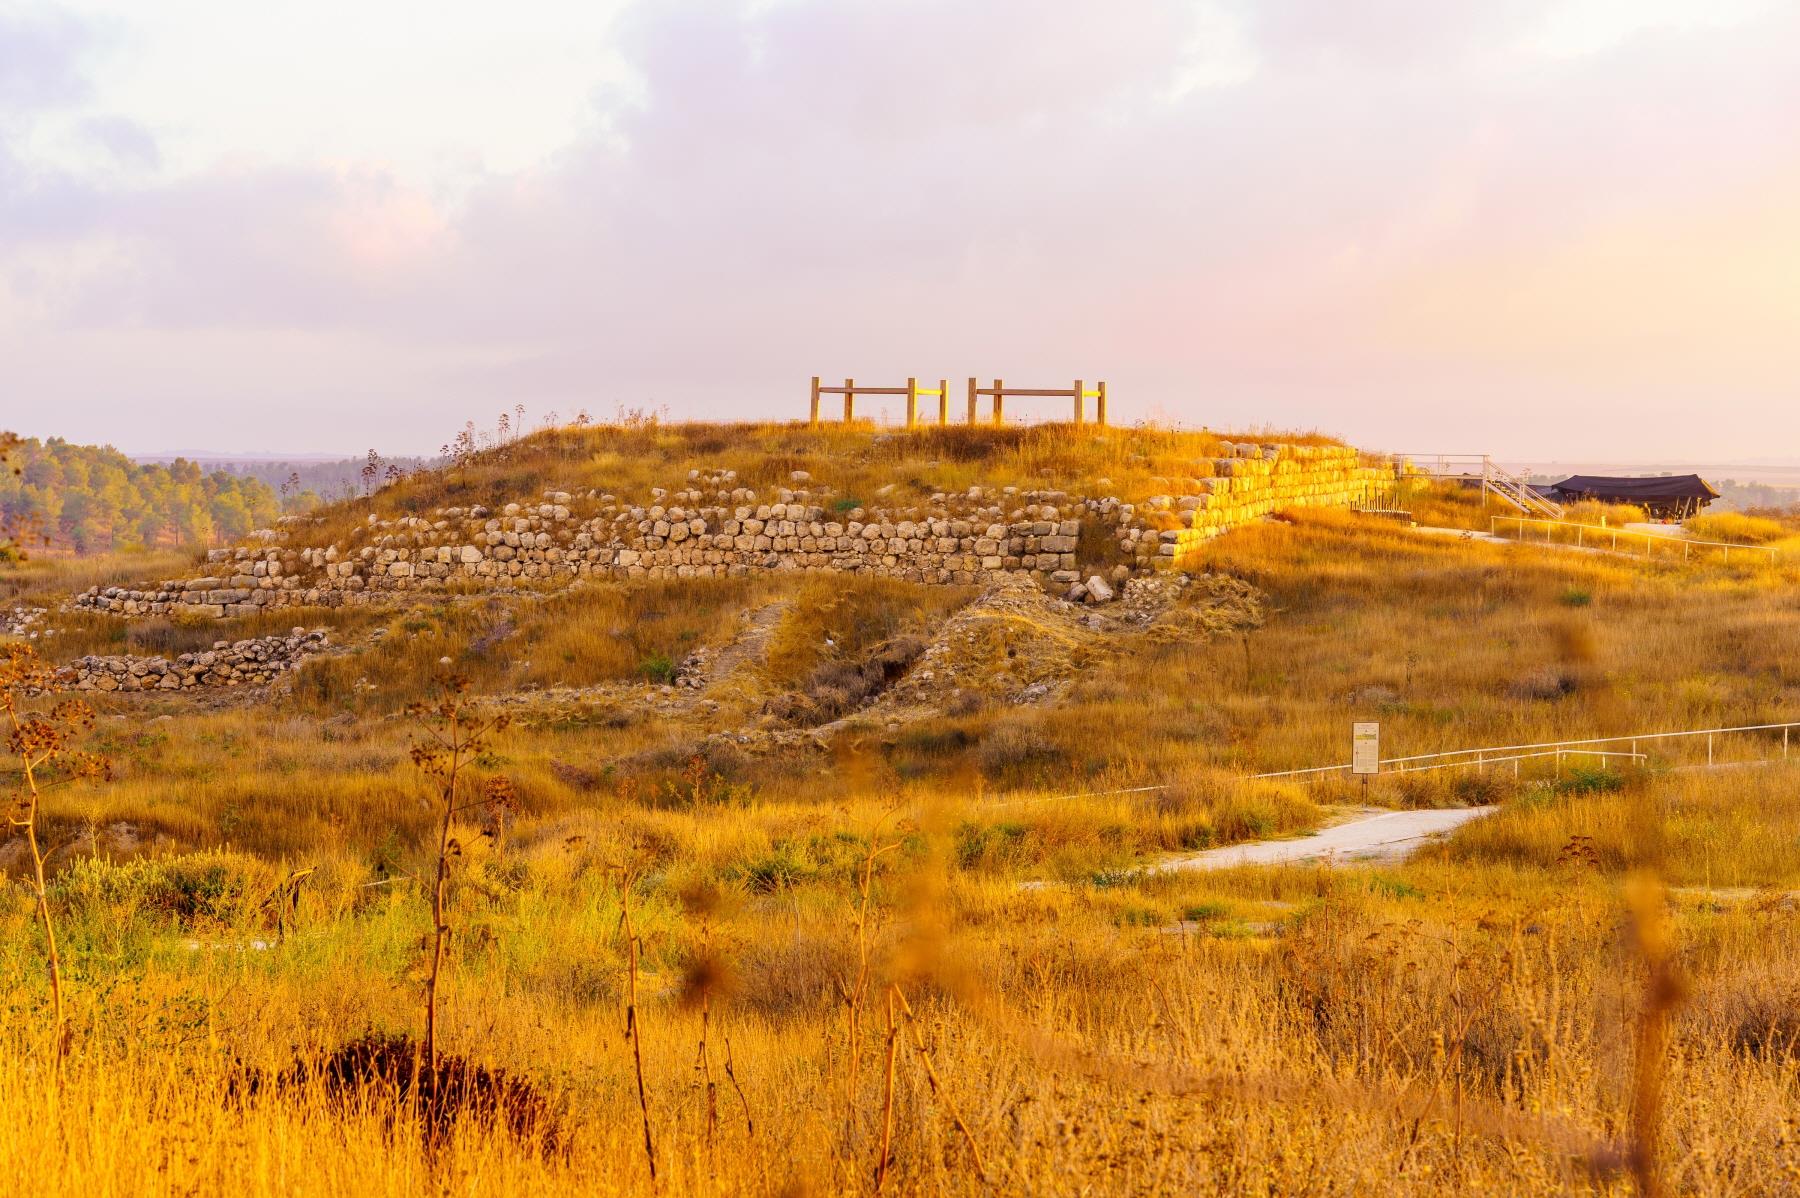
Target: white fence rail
x,y
1493,755
1600,536
1603,747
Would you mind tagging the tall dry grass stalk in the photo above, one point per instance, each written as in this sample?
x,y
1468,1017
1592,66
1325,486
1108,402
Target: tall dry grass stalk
x,y
42,744
898,996
634,1029
854,990
452,738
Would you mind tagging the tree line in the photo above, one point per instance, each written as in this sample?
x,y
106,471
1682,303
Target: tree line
x,y
61,497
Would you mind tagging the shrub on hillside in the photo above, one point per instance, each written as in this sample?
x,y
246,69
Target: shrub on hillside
x,y
837,688
1612,515
1550,682
1014,752
214,889
1737,528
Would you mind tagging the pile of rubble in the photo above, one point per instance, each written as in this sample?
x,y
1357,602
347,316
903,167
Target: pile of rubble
x,y
23,622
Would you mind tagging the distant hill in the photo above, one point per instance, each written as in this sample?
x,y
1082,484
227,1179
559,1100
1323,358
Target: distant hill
x,y
82,499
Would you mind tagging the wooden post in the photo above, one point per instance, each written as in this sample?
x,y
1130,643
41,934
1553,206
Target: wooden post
x,y
1100,402
1077,401
849,400
999,402
943,402
912,402
972,415
815,402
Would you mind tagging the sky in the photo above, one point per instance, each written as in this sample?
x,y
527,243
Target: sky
x,y
1537,229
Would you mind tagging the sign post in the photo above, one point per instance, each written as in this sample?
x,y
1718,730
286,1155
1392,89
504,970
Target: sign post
x,y
1365,751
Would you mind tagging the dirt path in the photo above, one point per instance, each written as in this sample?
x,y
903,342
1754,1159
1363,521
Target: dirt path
x,y
1371,835
715,663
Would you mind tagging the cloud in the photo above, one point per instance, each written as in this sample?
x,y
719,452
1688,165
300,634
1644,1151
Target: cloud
x,y
1336,223
40,57
122,141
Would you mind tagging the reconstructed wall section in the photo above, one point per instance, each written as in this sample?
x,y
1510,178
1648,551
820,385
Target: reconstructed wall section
x,y
713,527
1271,479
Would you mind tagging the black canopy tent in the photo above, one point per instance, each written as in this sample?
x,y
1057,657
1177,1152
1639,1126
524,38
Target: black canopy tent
x,y
1667,496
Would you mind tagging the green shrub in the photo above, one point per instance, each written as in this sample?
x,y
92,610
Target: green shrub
x,y
657,667
1140,917
1590,779
197,890
782,868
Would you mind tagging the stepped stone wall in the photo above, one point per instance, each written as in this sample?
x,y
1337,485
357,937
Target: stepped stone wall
x,y
714,527
1276,478
227,663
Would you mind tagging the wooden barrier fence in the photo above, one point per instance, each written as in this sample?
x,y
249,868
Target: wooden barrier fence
x,y
1079,393
912,391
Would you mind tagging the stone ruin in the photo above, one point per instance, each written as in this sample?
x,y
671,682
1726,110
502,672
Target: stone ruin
x,y
228,663
713,527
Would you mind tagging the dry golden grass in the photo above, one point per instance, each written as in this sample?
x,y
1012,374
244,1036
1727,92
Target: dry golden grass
x,y
1469,1021
1739,528
891,467
1604,515
46,580
1442,1024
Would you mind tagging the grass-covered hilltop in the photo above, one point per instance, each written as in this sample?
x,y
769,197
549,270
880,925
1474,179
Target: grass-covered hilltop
x,y
763,809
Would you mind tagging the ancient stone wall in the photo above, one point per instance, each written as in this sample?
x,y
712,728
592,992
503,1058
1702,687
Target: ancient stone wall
x,y
713,527
227,663
1262,481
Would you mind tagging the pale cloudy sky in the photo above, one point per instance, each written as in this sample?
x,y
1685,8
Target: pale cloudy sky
x,y
1536,227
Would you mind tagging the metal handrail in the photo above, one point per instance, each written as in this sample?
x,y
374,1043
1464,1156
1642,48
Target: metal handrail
x,y
1650,538
1496,479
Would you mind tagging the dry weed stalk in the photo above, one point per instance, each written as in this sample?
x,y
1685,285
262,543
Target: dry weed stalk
x,y
887,1097
731,1076
898,1012
633,1026
709,1089
709,976
453,739
898,997
702,978
855,993
41,743
1664,989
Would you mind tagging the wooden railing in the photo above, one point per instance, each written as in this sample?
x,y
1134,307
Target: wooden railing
x,y
912,391
1079,393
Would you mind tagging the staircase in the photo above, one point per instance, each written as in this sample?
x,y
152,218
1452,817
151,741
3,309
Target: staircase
x,y
1496,480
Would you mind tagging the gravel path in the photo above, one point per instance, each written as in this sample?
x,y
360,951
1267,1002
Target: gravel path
x,y
1370,836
